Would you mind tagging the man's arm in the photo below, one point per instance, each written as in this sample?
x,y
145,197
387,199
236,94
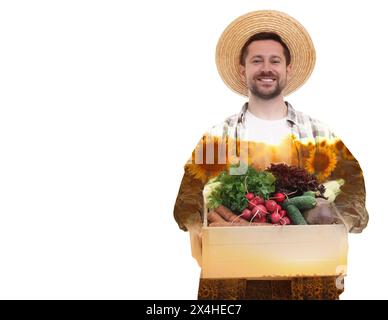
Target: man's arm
x,y
351,201
188,212
189,203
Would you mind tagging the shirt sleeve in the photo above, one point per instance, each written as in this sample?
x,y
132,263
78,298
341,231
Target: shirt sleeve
x,y
189,202
188,210
332,160
350,202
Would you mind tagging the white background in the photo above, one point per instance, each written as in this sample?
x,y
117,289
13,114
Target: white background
x,y
102,102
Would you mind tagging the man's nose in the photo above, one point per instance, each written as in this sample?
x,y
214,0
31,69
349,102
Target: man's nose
x,y
266,66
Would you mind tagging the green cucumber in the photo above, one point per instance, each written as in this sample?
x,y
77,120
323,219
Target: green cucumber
x,y
309,193
295,215
301,202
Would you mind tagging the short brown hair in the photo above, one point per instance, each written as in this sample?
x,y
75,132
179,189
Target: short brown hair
x,y
264,36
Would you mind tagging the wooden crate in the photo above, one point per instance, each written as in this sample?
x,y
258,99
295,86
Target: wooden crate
x,y
269,252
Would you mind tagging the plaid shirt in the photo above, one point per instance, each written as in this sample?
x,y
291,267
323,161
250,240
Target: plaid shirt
x,y
350,203
303,127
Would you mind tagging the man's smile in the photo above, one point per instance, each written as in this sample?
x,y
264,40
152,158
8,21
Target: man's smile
x,y
266,80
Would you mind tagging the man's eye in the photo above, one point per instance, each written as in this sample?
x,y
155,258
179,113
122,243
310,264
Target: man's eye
x,y
257,61
276,61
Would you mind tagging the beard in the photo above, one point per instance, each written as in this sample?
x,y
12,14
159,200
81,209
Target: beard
x,y
266,94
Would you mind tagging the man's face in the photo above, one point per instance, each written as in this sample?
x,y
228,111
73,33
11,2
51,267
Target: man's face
x,y
265,71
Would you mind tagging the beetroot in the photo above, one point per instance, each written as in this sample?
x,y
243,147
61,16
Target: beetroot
x,y
322,213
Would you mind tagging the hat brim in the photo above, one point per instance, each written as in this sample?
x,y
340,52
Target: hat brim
x,y
240,30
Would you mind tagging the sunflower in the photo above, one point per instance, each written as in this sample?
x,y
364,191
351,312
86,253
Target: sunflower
x,y
321,162
322,142
304,148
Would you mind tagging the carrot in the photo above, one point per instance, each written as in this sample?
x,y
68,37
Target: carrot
x,y
237,224
213,216
229,215
221,224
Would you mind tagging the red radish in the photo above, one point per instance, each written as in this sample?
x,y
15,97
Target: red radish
x,y
261,208
246,214
278,208
285,220
263,219
256,213
252,203
258,200
270,205
279,197
249,196
282,213
259,211
275,217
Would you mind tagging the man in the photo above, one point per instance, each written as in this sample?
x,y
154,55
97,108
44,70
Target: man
x,y
266,55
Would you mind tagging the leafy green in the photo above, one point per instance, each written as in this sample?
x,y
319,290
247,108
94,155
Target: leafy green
x,y
232,189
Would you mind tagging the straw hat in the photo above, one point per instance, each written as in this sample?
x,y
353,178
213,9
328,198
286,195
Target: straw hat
x,y
240,30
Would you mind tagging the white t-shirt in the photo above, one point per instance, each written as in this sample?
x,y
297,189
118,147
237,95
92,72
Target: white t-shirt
x,y
267,131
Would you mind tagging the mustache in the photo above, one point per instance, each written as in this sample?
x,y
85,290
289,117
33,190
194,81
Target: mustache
x,y
264,74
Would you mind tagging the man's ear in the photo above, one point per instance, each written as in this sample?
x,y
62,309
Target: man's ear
x,y
243,75
289,71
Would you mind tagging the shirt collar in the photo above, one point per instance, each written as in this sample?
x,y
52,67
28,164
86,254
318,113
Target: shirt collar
x,y
291,113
